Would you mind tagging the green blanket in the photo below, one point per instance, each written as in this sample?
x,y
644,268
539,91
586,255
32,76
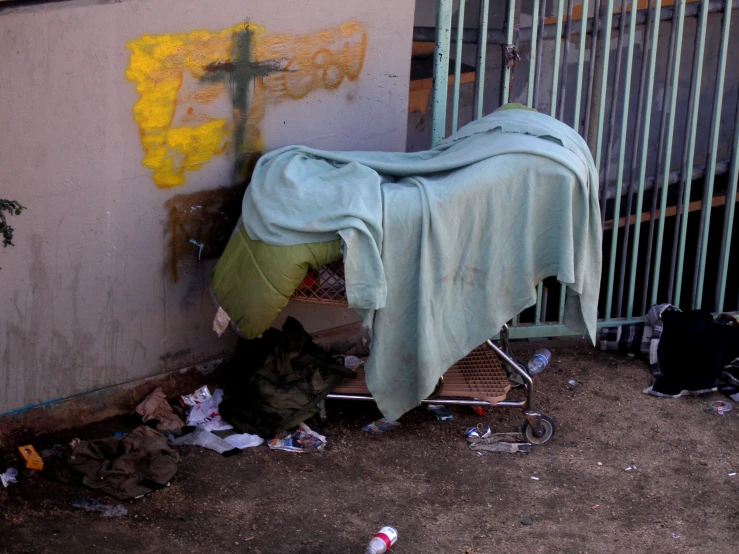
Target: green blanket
x,y
254,281
442,247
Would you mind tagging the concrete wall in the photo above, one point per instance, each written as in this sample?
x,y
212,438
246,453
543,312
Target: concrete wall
x,y
125,125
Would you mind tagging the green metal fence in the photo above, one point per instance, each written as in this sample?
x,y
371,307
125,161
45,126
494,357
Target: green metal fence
x,y
643,265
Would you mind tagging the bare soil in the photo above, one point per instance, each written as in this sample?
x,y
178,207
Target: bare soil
x,y
422,479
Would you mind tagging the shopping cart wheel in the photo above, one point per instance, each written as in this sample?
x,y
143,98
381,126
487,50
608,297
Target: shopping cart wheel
x,y
547,426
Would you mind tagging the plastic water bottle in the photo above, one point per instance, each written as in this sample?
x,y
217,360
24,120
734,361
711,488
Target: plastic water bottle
x,y
382,541
539,361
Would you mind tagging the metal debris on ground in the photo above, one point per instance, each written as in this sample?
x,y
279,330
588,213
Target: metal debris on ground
x,y
481,438
92,505
720,407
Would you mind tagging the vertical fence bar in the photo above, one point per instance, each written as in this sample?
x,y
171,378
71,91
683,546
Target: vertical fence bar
x,y
603,87
565,57
539,291
660,159
668,148
683,166
621,156
634,158
576,118
580,65
539,50
553,112
589,110
441,70
614,112
533,53
728,219
700,268
509,40
654,36
482,47
458,66
697,73
555,65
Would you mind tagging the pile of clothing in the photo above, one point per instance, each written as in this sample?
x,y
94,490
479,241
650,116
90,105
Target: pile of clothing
x,y
274,385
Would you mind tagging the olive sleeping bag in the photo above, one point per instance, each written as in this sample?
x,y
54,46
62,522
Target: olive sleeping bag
x,y
254,281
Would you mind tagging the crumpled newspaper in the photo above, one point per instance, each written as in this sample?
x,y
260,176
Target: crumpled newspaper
x,y
300,440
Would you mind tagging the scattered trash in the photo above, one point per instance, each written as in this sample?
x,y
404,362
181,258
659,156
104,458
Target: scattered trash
x,y
675,536
479,410
440,413
380,426
600,463
595,507
92,505
352,362
220,324
9,477
119,434
630,468
31,457
527,521
155,408
205,414
479,453
533,478
481,438
301,440
572,382
539,361
479,432
732,474
244,440
200,395
382,541
720,407
202,437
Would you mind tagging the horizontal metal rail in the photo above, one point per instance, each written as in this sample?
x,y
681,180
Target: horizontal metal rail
x,y
549,31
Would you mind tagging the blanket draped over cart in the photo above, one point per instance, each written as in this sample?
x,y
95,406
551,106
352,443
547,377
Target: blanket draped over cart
x,y
442,247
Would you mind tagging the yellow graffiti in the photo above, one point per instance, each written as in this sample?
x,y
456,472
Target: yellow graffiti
x,y
157,66
185,120
321,60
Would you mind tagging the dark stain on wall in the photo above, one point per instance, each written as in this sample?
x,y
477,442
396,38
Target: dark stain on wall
x,y
199,225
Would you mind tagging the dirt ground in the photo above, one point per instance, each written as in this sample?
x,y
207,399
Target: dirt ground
x,y
422,479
